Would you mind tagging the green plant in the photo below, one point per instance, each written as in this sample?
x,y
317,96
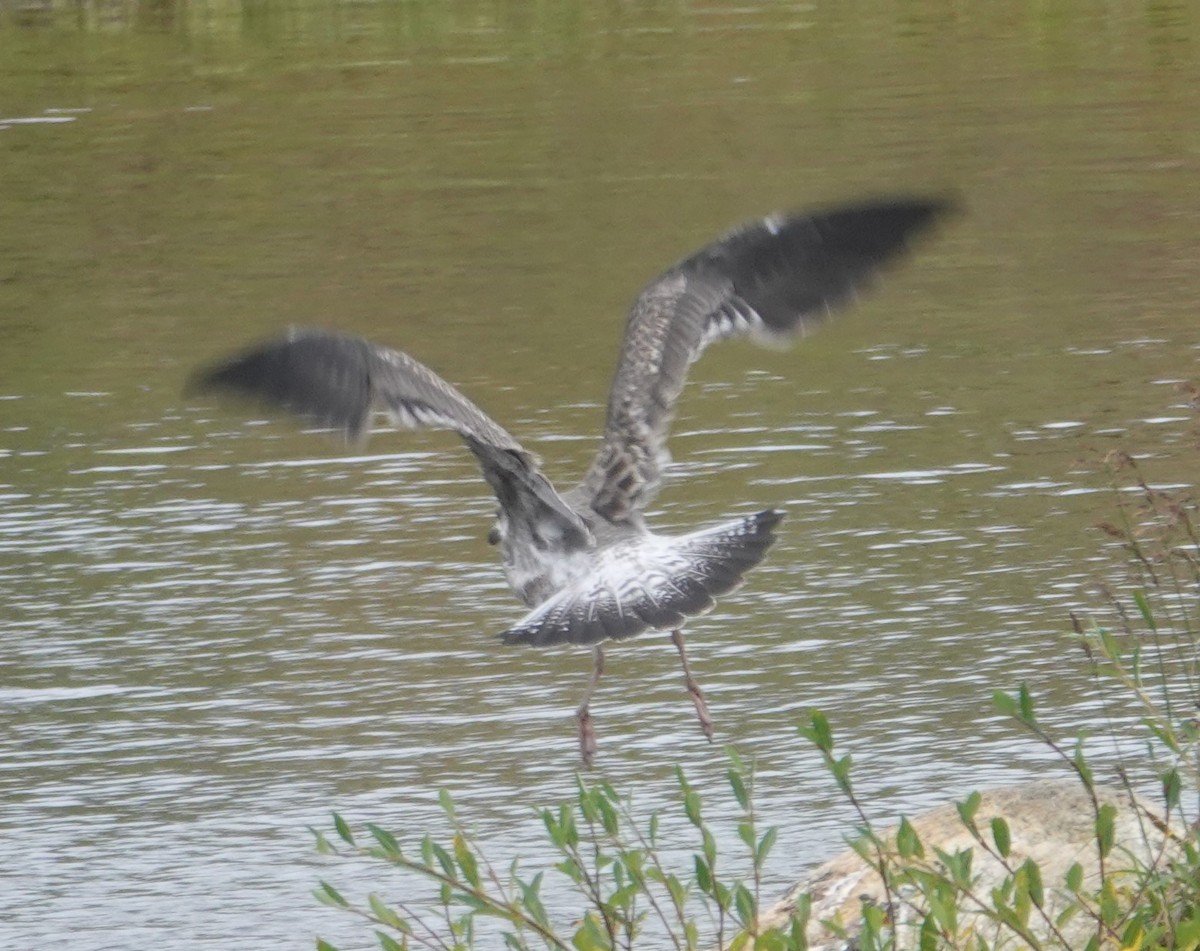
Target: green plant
x,y
974,887
612,863
1149,652
982,889
1148,644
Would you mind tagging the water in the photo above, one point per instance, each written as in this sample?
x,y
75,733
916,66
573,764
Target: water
x,y
217,629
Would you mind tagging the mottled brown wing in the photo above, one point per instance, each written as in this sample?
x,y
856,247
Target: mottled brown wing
x,y
342,381
776,277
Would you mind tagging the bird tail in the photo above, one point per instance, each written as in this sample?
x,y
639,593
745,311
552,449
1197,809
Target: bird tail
x,y
653,583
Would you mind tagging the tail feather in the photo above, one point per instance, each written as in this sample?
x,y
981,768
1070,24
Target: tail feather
x,y
650,583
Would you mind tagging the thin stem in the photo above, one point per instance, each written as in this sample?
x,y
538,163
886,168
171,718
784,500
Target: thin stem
x,y
507,909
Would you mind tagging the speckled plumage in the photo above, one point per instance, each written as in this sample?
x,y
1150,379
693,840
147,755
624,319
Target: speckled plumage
x,y
584,561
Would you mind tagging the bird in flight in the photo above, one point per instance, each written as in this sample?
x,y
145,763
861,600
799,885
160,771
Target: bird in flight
x,y
584,561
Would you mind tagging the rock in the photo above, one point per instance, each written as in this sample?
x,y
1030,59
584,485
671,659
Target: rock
x,y
1052,823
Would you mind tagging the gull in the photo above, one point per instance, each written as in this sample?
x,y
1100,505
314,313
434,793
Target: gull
x,y
584,561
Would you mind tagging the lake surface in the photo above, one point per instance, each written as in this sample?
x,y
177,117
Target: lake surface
x,y
216,629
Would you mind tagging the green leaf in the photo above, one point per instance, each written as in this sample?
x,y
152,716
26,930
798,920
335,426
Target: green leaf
x,y
738,785
475,903
1022,900
1110,646
1072,911
1143,606
570,830
1075,878
446,802
1081,765
1105,827
943,906
343,830
444,859
681,780
818,732
1033,879
1001,836
772,940
570,868
387,943
590,935
325,946
531,899
553,828
1025,702
386,915
929,934
385,839
676,889
1010,917
704,876
327,894
1109,903
1164,734
864,845
872,920
322,844
908,843
1172,787
1004,703
958,865
735,759
623,898
1187,932
765,844
466,860
691,808
608,815
743,902
745,831
841,772
967,810
801,912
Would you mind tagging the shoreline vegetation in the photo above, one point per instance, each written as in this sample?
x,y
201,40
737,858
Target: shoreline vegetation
x,y
1073,864
564,28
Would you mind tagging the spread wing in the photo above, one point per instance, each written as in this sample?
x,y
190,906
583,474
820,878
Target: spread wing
x,y
779,276
342,381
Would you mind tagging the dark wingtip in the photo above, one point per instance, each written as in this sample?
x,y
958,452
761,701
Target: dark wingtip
x,y
891,219
211,378
241,371
320,376
230,375
933,204
932,209
769,518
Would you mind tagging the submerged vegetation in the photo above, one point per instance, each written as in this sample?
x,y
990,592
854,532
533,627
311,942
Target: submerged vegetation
x,y
1138,889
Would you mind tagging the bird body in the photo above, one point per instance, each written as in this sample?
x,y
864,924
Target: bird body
x,y
584,561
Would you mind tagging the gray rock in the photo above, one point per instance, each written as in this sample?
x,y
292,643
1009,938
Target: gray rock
x,y
1052,823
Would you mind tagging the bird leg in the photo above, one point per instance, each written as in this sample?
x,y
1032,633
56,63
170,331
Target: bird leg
x,y
693,688
587,734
